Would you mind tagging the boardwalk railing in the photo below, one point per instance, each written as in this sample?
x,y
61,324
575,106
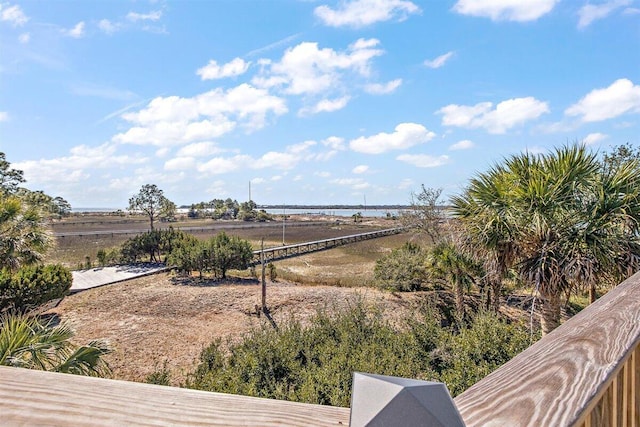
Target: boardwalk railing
x,y
288,251
585,373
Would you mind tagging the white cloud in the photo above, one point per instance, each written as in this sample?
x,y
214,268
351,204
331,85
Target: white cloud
x,y
360,13
354,183
163,152
180,163
108,27
383,88
423,160
213,71
506,10
465,144
306,69
323,174
405,184
406,135
285,160
173,120
78,166
4,116
151,16
506,115
439,61
360,169
592,12
621,97
325,106
14,15
594,138
335,143
199,149
24,38
77,31
221,165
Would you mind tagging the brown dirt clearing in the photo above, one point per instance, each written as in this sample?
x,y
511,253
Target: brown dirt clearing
x,y
156,318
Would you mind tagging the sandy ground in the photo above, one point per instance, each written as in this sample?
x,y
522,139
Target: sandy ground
x,y
160,318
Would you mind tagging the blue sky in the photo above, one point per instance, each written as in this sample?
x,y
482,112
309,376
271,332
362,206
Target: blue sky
x,y
314,102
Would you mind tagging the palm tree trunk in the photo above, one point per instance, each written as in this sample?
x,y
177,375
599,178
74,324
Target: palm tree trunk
x,y
592,293
459,300
496,291
550,312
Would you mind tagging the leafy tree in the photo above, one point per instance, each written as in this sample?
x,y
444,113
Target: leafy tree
x,y
619,155
10,179
27,342
151,201
32,286
403,269
563,219
23,237
218,254
229,252
426,213
60,206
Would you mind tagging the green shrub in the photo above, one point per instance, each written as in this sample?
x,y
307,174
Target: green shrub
x,y
403,269
475,352
32,286
315,364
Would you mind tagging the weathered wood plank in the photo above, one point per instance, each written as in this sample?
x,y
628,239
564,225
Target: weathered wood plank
x,y
43,398
561,378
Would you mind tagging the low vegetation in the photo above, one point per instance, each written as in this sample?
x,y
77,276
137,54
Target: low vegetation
x,y
315,363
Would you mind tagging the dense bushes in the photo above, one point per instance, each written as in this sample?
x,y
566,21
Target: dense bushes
x,y
32,286
403,269
315,364
217,255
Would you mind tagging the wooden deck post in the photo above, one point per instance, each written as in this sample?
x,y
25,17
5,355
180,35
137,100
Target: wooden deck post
x,y
264,283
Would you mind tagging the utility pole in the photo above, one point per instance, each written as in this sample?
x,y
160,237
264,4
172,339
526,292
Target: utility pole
x,y
264,282
284,220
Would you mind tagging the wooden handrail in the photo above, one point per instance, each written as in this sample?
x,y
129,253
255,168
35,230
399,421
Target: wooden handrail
x,y
584,373
29,397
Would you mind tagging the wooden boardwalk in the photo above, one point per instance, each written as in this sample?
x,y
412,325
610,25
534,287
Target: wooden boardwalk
x,y
289,251
100,276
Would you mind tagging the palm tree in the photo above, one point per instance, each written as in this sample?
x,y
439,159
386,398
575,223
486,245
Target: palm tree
x,y
485,213
566,220
26,342
23,237
446,262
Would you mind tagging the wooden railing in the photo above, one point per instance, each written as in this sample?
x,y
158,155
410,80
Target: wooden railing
x,y
288,251
585,373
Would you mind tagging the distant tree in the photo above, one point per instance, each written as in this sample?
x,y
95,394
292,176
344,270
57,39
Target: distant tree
x,y
216,255
426,213
621,154
229,252
151,201
10,178
60,206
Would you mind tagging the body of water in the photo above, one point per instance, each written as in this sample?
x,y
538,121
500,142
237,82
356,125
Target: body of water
x,y
335,212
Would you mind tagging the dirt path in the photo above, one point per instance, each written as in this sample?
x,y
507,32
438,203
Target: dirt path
x,y
155,319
